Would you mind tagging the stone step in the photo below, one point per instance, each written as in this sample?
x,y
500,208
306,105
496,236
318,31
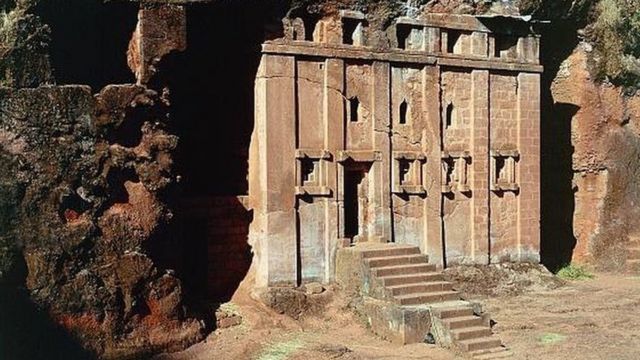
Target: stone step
x,y
494,353
396,260
462,322
483,343
427,298
395,280
448,313
411,269
634,253
471,332
391,250
425,287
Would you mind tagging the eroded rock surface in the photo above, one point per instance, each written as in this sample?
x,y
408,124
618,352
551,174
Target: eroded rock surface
x,y
84,213
85,181
606,144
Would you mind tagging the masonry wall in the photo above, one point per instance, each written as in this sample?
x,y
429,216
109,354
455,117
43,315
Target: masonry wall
x,y
444,156
457,108
503,135
409,125
310,80
220,260
529,167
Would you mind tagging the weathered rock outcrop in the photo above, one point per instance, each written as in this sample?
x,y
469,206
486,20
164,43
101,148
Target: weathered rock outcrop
x,y
590,140
606,146
85,184
24,40
84,213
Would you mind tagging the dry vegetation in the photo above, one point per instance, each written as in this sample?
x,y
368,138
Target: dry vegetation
x,y
616,34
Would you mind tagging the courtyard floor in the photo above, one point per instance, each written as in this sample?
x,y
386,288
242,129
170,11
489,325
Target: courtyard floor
x,y
587,319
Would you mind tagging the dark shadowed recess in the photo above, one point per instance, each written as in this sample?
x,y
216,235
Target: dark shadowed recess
x,y
27,332
557,193
212,111
559,39
89,40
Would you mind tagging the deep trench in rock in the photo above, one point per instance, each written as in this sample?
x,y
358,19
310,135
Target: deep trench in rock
x,y
212,111
557,239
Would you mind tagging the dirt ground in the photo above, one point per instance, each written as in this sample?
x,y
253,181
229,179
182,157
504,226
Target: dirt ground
x,y
587,319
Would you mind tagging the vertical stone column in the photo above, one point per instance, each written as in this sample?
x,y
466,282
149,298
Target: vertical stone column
x,y
333,116
529,49
529,167
433,173
432,40
479,177
382,169
479,43
273,232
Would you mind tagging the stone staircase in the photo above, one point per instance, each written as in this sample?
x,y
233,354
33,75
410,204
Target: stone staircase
x,y
407,276
403,276
633,256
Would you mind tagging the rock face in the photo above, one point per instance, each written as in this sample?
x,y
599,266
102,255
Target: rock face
x,y
85,184
606,144
24,39
589,136
84,214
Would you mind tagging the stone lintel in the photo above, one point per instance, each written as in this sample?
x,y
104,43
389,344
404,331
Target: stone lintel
x,y
396,56
460,22
351,14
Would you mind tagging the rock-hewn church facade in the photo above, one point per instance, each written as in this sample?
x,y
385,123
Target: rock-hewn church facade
x,y
433,143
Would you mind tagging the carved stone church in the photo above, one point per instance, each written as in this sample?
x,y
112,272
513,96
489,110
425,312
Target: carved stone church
x,y
434,144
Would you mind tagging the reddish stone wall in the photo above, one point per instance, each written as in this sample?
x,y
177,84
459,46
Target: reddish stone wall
x,y
504,135
456,92
604,165
222,223
228,250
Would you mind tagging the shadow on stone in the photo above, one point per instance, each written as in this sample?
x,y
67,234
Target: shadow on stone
x,y
212,111
27,332
557,193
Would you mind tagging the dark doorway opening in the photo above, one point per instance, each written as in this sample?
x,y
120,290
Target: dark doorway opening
x,y
355,200
352,181
212,109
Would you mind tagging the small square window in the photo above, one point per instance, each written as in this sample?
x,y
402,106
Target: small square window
x,y
407,173
503,170
311,171
308,171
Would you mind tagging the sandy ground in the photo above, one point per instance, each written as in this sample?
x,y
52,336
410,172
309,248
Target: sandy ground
x,y
588,319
